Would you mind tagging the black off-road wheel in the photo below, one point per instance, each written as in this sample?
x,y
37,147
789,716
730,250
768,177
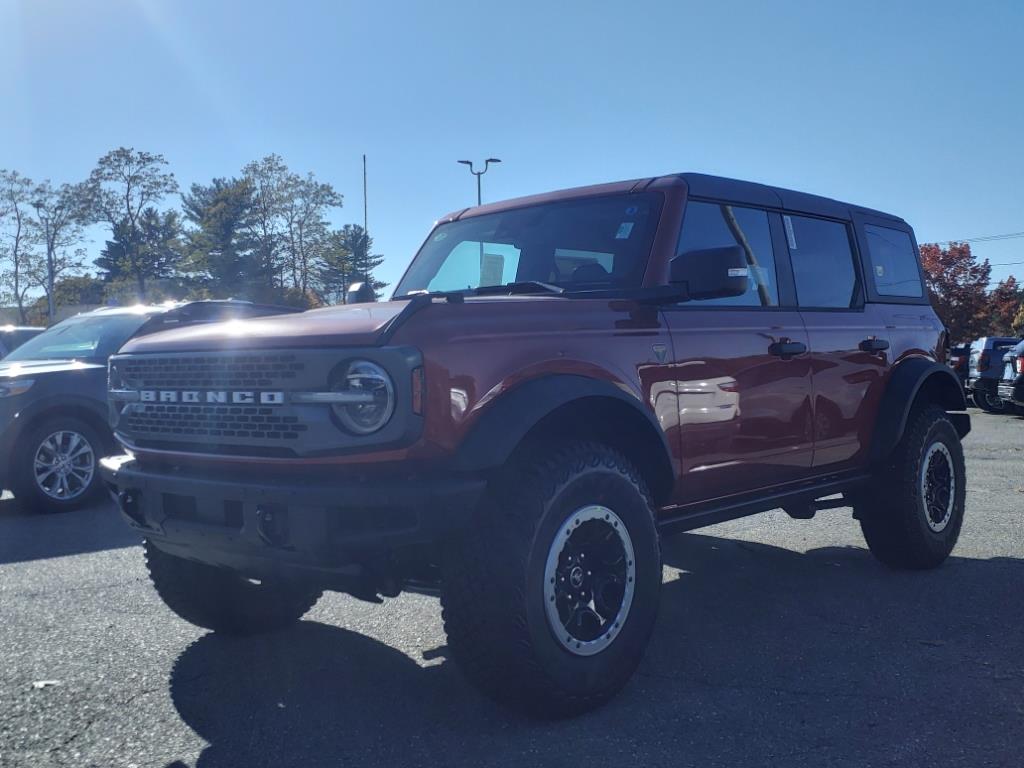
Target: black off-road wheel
x,y
551,597
55,464
912,512
224,601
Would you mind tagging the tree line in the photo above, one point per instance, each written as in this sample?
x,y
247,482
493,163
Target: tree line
x,y
958,284
263,235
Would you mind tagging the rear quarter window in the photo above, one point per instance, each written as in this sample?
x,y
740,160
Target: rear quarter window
x,y
894,268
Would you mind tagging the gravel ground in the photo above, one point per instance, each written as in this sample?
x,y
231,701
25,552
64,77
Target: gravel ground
x,y
780,642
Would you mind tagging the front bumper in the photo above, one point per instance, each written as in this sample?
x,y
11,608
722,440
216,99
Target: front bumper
x,y
263,527
1013,391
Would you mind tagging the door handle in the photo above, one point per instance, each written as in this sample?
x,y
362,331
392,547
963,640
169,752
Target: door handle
x,y
874,345
786,349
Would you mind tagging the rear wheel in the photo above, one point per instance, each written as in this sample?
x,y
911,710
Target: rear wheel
x,y
55,466
550,599
989,402
222,600
912,514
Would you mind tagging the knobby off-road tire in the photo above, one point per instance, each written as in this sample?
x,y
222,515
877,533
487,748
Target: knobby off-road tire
x,y
218,599
509,581
55,467
913,510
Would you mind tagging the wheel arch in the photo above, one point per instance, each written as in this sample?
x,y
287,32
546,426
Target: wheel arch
x,y
914,382
85,409
567,406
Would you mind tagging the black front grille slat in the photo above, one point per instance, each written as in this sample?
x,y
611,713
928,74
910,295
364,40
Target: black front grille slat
x,y
212,372
148,420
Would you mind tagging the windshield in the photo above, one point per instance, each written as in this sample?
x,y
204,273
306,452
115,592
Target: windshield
x,y
587,243
87,337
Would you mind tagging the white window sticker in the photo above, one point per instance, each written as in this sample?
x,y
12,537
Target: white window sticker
x,y
625,228
491,269
879,270
738,272
790,235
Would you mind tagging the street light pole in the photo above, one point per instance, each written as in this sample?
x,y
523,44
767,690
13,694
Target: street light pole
x,y
478,174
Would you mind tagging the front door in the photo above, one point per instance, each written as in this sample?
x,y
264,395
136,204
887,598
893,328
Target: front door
x,y
741,366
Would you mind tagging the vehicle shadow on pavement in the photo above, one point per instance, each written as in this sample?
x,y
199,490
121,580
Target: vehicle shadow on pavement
x,y
26,534
762,655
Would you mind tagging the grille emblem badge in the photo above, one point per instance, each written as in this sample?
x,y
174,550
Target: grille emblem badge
x,y
220,397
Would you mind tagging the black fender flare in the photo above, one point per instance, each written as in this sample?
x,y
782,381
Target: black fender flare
x,y
905,384
506,421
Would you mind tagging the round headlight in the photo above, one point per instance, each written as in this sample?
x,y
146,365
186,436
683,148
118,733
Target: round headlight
x,y
372,401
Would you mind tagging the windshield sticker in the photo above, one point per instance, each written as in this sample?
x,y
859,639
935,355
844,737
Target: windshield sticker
x,y
790,235
631,211
738,272
625,228
440,236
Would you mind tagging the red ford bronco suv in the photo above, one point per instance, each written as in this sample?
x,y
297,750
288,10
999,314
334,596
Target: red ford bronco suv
x,y
558,381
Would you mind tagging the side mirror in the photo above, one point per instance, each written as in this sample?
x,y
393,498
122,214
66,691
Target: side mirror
x,y
360,293
712,273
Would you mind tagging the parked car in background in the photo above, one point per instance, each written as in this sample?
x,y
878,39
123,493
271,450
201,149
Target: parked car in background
x,y
959,359
1011,388
13,336
53,396
985,369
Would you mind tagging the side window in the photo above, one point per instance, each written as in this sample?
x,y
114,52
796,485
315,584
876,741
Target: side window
x,y
893,263
823,267
713,225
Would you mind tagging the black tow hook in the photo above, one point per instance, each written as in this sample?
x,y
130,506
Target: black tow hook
x,y
128,501
272,524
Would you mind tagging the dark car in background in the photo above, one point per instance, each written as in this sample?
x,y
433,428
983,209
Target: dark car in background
x,y
13,336
959,359
985,369
53,396
1011,388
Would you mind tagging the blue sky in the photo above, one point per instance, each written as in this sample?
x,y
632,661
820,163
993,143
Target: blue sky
x,y
912,107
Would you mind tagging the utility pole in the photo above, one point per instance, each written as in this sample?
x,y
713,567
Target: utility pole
x,y
478,174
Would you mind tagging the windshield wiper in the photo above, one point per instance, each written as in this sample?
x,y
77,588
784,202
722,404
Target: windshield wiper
x,y
520,286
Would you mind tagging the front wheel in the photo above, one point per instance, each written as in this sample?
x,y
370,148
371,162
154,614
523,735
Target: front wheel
x,y
224,601
550,599
912,513
55,464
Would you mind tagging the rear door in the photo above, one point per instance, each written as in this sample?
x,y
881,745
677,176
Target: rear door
x,y
849,340
740,370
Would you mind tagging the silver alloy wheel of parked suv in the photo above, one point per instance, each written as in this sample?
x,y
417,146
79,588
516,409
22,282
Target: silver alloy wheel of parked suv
x,y
64,465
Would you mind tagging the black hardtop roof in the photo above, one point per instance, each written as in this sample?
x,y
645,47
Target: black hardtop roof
x,y
703,185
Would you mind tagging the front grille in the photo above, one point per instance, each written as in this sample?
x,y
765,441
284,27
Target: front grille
x,y
258,429
151,420
227,371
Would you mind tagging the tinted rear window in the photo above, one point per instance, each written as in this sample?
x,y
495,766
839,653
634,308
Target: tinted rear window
x,y
822,263
893,262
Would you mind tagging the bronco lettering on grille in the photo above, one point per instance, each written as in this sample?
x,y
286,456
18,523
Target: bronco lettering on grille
x,y
245,397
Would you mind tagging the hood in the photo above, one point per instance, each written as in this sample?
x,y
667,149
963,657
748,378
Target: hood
x,y
40,367
355,325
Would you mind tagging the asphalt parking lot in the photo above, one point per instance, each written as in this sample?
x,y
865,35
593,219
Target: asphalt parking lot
x,y
780,642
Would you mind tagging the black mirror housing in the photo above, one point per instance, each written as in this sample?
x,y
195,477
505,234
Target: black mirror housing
x,y
712,273
360,293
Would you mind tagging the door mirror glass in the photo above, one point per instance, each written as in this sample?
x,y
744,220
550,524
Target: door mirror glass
x,y
712,273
